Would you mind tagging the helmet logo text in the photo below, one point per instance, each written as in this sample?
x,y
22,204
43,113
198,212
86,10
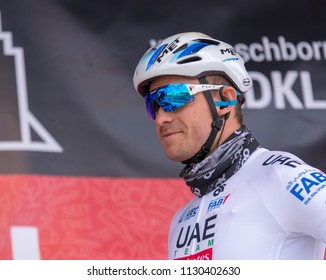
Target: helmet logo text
x,y
168,49
229,51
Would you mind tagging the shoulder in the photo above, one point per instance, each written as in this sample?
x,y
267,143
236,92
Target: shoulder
x,y
280,163
282,172
292,190
188,210
274,159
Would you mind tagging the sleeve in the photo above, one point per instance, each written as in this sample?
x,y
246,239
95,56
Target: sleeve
x,y
293,191
321,231
304,194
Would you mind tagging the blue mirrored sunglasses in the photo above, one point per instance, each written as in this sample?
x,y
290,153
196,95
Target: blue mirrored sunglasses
x,y
173,96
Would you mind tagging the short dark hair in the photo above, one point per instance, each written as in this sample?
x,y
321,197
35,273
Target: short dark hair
x,y
218,80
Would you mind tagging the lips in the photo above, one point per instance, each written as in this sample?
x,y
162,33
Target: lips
x,y
166,132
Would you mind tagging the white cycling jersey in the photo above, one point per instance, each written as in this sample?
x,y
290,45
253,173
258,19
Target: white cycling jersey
x,y
274,207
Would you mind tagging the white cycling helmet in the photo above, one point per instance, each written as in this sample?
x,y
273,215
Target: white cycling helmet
x,y
191,54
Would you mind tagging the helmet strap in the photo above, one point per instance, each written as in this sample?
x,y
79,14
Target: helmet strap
x,y
216,127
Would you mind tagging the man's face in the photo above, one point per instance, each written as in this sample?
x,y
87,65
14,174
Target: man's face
x,y
183,132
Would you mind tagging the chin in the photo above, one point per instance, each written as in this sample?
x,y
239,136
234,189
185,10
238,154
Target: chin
x,y
176,158
173,158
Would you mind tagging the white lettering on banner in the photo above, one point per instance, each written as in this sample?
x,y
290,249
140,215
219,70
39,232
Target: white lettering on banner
x,y
25,243
308,93
281,50
281,88
265,89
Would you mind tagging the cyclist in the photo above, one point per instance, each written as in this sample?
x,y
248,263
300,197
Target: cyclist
x,y
249,202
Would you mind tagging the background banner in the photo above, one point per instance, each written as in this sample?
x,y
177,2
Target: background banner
x,y
79,158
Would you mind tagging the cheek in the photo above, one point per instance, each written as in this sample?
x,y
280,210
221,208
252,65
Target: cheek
x,y
200,125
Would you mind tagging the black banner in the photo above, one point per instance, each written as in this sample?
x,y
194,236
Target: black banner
x,y
68,106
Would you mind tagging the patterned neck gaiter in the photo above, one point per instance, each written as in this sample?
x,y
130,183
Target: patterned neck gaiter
x,y
219,166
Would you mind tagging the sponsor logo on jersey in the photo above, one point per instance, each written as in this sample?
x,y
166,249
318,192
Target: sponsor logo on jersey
x,y
283,160
203,255
195,238
216,203
197,232
191,213
307,185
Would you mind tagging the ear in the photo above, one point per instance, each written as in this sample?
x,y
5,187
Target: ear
x,y
227,95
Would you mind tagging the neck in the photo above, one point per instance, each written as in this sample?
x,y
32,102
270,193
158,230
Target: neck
x,y
225,133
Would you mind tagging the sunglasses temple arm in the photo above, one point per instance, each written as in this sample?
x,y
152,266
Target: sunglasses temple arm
x,y
226,103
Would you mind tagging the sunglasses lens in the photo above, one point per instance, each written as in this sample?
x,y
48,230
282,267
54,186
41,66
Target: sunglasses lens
x,y
149,101
169,98
178,96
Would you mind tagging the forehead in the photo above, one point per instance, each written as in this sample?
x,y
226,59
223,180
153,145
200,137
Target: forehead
x,y
165,80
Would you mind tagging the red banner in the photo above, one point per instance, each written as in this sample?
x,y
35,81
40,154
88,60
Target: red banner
x,y
89,218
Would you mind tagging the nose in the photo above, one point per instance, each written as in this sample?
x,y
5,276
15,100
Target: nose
x,y
163,117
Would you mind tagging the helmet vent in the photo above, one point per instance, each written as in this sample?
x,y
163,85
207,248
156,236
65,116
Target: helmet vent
x,y
189,60
209,42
